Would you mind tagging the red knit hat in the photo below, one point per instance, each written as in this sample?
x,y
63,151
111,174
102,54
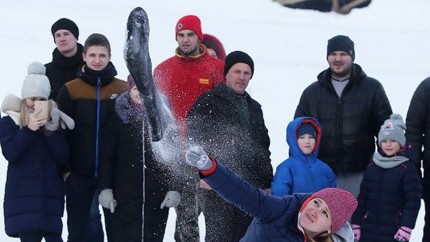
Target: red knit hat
x,y
189,22
341,204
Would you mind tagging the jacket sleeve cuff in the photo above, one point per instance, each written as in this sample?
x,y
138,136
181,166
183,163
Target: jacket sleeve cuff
x,y
211,170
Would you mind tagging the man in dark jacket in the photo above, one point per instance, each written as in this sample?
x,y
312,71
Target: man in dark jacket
x,y
66,57
230,125
417,135
64,67
351,107
89,100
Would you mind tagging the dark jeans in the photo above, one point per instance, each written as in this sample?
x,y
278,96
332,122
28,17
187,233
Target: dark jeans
x,y
80,192
37,236
95,229
187,217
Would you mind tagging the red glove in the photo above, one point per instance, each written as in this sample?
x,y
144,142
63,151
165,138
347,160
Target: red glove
x,y
356,229
403,234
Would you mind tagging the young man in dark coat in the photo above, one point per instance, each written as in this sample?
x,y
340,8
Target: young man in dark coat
x,y
89,100
230,125
66,57
351,107
64,67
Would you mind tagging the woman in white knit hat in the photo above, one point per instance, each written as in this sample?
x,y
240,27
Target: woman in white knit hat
x,y
34,146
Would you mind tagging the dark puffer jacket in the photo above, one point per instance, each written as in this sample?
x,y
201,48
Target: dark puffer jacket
x,y
418,130
79,99
350,123
389,198
215,123
34,193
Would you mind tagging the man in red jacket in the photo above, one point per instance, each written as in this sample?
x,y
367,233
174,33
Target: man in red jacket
x,y
182,78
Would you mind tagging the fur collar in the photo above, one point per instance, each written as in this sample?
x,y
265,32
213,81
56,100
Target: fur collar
x,y
128,111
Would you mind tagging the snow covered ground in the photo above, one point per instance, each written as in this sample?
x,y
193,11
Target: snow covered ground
x,y
288,47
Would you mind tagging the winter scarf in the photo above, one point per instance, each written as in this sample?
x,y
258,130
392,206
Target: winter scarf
x,y
106,75
12,106
128,111
388,162
68,63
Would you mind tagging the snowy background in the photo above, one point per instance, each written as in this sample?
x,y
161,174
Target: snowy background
x,y
288,47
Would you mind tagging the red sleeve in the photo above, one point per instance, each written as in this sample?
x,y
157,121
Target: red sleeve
x,y
211,170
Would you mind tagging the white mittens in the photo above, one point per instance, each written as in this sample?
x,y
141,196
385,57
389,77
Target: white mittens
x,y
196,156
106,199
54,123
172,199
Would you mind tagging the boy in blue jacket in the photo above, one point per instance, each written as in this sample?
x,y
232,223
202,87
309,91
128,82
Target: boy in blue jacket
x,y
303,172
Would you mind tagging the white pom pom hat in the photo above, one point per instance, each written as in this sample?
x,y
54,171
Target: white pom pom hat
x,y
36,84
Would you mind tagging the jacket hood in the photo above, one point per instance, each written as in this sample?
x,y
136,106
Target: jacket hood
x,y
128,112
344,234
292,137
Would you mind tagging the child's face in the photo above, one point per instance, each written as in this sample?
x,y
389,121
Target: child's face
x,y
390,147
315,217
96,57
306,143
135,95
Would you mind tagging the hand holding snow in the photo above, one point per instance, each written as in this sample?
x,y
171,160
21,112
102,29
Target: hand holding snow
x,y
197,157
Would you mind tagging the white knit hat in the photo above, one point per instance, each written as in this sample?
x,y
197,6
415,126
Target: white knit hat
x,y
36,84
393,129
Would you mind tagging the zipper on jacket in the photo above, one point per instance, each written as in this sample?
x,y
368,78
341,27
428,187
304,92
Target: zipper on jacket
x,y
96,165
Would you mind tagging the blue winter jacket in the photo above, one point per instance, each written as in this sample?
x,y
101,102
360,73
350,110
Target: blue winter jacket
x,y
300,172
34,193
275,218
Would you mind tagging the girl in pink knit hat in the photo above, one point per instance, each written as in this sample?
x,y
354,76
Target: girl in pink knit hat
x,y
298,217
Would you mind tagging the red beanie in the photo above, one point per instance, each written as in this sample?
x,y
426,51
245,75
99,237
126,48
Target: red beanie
x,y
189,22
341,204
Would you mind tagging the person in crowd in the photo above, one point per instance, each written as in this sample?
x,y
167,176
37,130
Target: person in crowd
x,y
34,145
315,216
351,107
124,165
390,193
338,6
214,46
302,171
66,57
182,78
417,121
89,100
64,67
229,123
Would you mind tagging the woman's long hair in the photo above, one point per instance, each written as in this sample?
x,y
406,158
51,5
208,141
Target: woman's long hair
x,y
24,115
